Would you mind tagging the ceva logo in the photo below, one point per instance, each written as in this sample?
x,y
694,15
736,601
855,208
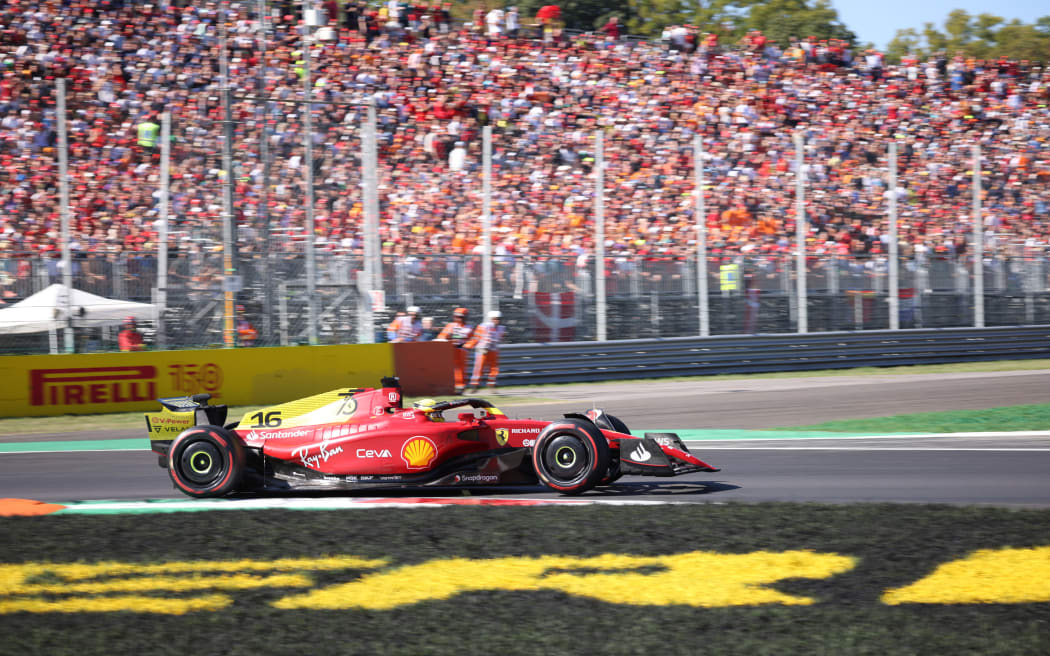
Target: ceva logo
x,y
373,453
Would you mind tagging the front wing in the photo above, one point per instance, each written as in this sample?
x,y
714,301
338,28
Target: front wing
x,y
658,454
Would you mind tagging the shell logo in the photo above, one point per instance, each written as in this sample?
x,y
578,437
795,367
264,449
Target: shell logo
x,y
418,452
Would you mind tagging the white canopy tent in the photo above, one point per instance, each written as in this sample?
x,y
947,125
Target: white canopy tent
x,y
49,310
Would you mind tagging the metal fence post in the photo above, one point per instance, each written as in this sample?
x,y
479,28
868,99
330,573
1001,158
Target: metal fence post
x,y
701,237
1030,279
282,309
162,232
599,233
228,263
63,184
922,287
264,192
365,320
833,291
895,317
308,156
486,220
654,311
370,203
120,276
800,236
978,242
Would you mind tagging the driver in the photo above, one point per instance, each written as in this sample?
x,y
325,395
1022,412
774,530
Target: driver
x,y
426,406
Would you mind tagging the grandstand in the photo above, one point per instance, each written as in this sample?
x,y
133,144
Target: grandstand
x,y
436,85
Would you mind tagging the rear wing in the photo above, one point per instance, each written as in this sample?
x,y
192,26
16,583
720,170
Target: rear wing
x,y
178,413
203,413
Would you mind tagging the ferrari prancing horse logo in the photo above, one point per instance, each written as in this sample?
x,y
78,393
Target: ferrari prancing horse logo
x,y
502,436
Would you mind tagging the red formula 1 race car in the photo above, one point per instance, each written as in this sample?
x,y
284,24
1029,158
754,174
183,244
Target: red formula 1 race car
x,y
364,439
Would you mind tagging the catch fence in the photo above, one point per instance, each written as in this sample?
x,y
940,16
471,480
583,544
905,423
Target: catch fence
x,y
543,299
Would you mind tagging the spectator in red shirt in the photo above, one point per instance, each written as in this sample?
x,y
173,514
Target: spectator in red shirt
x,y
130,339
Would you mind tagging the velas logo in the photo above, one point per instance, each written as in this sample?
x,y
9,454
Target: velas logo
x,y
418,452
502,436
92,385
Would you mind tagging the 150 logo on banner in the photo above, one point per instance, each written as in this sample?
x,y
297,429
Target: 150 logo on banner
x,y
97,385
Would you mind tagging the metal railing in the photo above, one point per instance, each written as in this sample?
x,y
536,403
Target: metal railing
x,y
532,364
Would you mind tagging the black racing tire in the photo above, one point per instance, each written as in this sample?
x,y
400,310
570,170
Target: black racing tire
x,y
571,456
613,423
206,461
613,473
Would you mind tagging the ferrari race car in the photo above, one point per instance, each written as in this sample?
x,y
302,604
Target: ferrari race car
x,y
364,439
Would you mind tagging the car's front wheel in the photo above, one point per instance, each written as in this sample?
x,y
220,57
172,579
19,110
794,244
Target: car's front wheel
x,y
206,461
571,456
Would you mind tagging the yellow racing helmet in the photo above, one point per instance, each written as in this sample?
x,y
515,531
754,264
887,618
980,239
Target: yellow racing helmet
x,y
426,406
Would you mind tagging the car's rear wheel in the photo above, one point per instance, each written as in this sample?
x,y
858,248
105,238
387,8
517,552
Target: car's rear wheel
x,y
206,461
610,422
571,456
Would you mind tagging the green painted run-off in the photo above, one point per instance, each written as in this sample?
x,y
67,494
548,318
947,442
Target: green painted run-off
x,y
135,444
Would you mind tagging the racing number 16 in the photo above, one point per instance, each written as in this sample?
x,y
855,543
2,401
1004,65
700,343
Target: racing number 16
x,y
270,420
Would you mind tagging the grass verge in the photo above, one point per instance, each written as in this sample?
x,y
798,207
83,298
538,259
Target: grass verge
x,y
1035,417
894,546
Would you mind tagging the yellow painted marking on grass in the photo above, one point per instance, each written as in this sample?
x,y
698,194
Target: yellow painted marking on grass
x,y
988,576
20,583
11,575
171,583
701,579
139,604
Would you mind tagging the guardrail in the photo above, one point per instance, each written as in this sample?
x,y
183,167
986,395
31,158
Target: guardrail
x,y
572,362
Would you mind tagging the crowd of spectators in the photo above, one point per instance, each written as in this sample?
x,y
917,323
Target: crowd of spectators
x,y
544,91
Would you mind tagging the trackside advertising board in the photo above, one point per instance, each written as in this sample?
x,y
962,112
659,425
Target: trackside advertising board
x,y
42,385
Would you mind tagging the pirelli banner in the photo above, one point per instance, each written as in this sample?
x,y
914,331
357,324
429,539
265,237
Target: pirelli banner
x,y
41,385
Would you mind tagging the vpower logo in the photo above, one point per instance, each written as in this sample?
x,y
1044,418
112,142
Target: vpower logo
x,y
92,385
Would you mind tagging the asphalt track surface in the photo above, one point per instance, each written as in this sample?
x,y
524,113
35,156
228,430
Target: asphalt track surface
x,y
1010,471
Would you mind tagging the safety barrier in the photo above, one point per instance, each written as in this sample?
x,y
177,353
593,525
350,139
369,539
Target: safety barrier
x,y
528,364
42,385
